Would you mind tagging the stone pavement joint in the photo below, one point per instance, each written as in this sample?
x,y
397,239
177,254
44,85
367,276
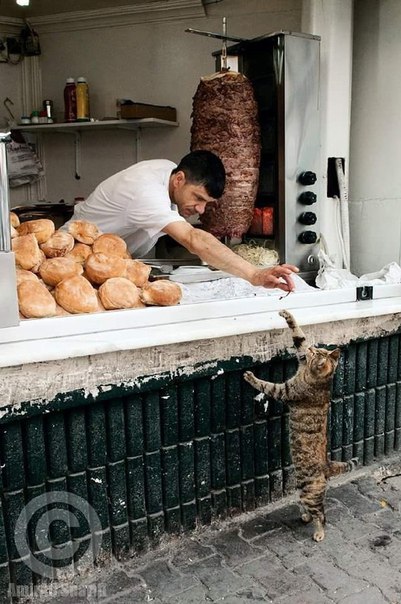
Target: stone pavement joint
x,y
269,556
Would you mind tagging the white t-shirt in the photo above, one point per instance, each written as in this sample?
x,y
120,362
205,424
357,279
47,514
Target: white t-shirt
x,y
133,204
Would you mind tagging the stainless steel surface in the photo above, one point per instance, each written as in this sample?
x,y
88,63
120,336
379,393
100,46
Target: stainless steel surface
x,y
301,143
5,233
9,316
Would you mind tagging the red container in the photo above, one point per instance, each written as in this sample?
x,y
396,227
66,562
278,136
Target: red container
x,y
262,222
70,101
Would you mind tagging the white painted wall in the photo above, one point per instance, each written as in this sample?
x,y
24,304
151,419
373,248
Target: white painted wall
x,y
375,174
152,63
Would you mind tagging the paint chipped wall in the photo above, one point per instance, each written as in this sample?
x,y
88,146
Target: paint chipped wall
x,y
40,383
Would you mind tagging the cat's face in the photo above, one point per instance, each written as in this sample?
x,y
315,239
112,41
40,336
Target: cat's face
x,y
322,363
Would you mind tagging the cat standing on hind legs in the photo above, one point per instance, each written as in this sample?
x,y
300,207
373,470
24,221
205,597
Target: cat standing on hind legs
x,y
308,394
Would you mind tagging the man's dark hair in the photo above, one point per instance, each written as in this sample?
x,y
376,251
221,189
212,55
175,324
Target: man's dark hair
x,y
206,169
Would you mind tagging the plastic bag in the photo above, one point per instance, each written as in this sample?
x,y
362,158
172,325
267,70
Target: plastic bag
x,y
23,165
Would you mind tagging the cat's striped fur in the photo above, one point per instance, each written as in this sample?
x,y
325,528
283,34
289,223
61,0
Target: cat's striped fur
x,y
308,396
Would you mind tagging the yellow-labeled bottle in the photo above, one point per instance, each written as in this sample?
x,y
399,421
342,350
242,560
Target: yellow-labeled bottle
x,y
82,92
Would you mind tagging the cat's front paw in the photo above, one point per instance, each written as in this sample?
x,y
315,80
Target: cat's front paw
x,y
286,315
249,377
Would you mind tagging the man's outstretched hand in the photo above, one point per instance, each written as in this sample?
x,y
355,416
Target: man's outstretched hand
x,y
277,276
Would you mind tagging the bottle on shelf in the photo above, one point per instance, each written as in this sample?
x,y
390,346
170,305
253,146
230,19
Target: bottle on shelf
x,y
70,101
83,112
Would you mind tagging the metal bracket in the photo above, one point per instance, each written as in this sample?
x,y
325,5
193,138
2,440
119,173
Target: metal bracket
x,y
365,292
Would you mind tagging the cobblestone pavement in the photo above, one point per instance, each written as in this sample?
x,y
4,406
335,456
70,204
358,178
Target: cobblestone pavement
x,y
269,556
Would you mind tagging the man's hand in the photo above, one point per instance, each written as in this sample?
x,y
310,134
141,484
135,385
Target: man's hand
x,y
277,276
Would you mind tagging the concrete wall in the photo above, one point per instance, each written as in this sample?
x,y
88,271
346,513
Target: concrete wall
x,y
152,63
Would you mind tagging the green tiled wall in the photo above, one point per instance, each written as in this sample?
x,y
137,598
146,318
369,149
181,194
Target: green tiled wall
x,y
178,451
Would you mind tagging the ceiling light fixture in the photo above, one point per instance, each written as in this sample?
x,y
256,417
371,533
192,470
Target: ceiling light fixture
x,y
23,2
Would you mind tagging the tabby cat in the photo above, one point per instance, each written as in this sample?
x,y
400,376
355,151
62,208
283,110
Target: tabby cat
x,y
308,396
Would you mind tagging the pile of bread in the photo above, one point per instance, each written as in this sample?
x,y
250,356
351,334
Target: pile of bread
x,y
80,270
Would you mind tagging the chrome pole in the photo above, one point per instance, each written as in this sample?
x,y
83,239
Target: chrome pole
x,y
5,232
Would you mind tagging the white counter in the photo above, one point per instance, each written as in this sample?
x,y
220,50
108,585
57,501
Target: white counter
x,y
39,340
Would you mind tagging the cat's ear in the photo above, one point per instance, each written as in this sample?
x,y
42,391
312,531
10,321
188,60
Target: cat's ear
x,y
335,354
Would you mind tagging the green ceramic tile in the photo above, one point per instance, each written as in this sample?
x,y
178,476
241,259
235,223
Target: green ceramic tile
x,y
218,461
136,487
383,358
202,467
289,480
3,540
234,499
233,399
77,485
373,357
117,493
379,446
218,403
96,434
369,450
204,509
248,495
361,366
97,492
139,534
170,473
153,483
348,420
350,369
274,443
115,427
202,407
339,378
285,440
276,485
187,472
134,425
186,411
233,457
359,451
380,410
34,441
261,448
169,416
60,532
6,589
12,456
359,416
120,536
247,452
56,445
219,504
77,447
173,520
370,405
156,527
188,515
393,353
336,423
397,415
151,419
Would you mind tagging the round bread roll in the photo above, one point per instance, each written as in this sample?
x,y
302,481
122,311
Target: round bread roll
x,y
42,228
80,253
161,293
35,301
111,245
14,219
54,270
99,268
76,295
58,244
119,292
27,251
137,272
14,232
84,232
35,269
23,275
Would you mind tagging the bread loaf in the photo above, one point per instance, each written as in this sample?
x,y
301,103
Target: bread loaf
x,y
76,295
80,252
59,244
111,245
14,219
27,252
54,270
99,268
161,293
84,232
23,275
35,301
138,272
119,292
43,229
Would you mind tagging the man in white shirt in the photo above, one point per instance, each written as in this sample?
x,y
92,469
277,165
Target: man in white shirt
x,y
153,198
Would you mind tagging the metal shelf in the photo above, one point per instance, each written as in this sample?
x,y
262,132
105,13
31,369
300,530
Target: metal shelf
x,y
77,128
71,128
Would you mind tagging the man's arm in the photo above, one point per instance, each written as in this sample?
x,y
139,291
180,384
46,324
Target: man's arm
x,y
211,251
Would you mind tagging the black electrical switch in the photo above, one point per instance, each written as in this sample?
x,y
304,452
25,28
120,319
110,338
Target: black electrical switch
x,y
307,198
307,178
307,237
307,218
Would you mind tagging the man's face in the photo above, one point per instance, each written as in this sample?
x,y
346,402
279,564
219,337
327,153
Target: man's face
x,y
191,199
